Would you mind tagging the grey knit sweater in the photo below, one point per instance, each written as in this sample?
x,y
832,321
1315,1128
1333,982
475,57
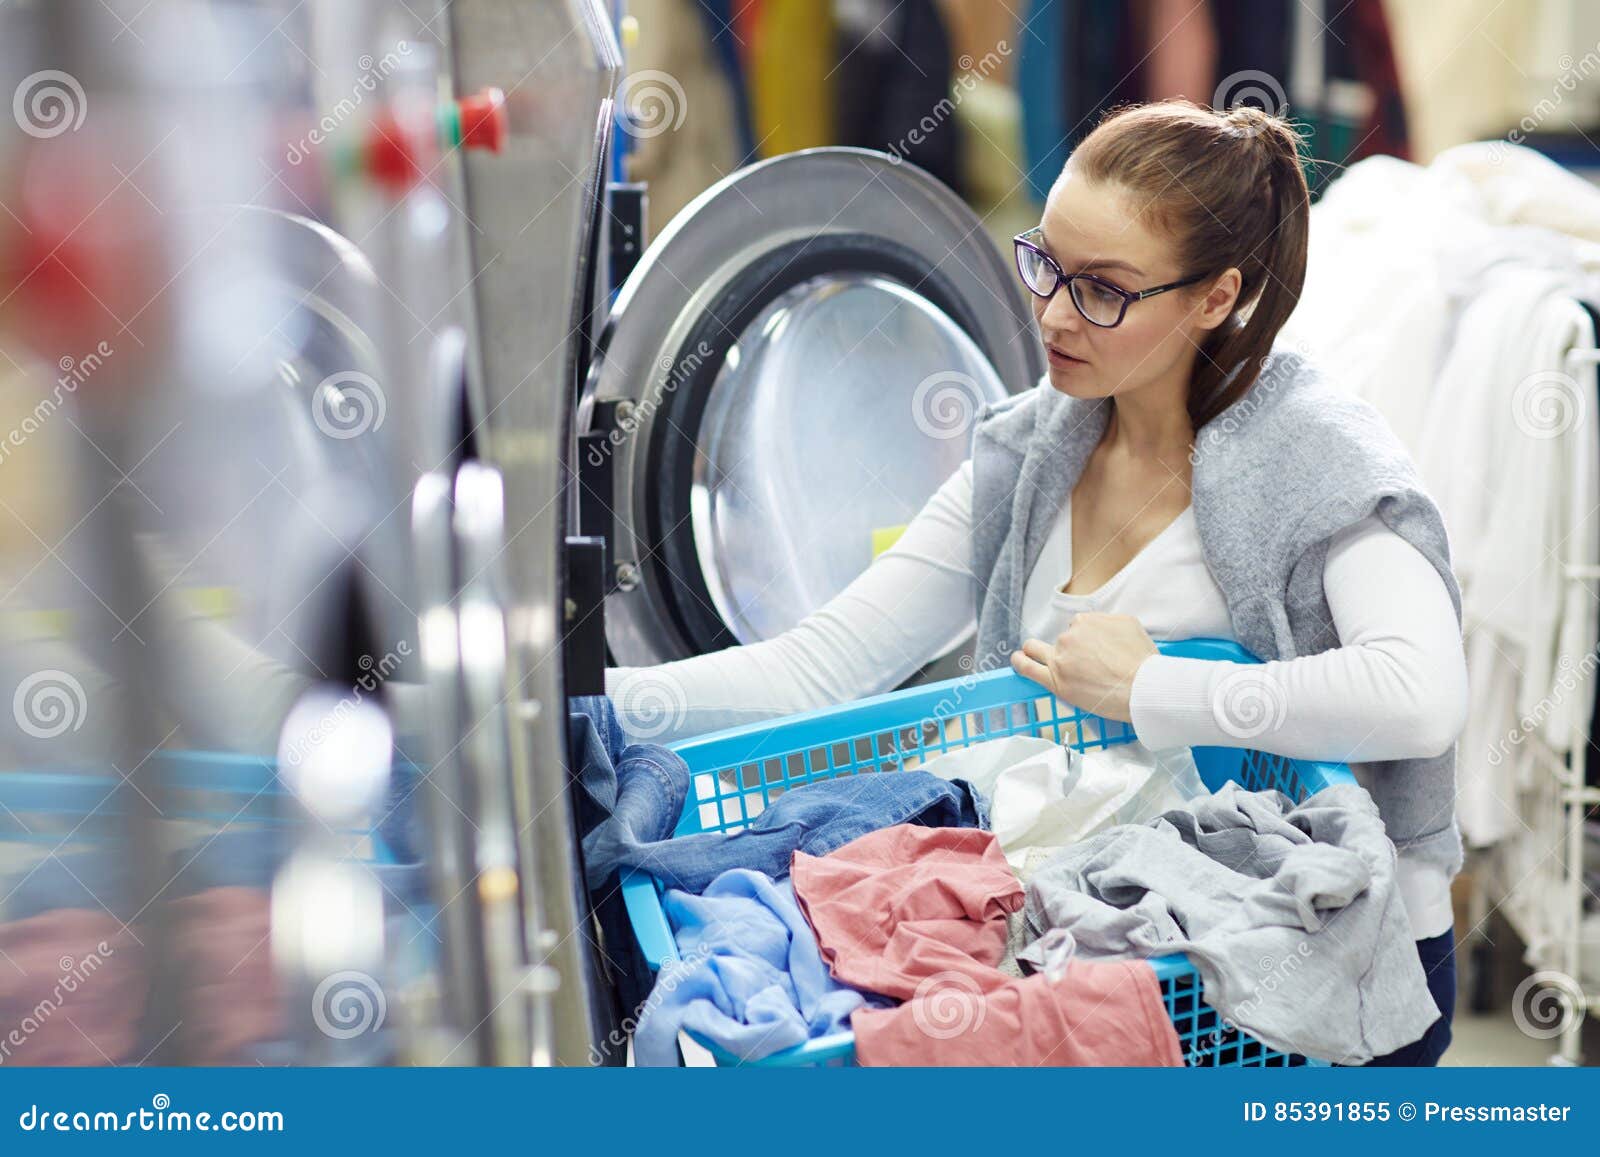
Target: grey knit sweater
x,y
1276,475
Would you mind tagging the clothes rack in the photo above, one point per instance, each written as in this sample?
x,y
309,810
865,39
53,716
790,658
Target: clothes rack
x,y
1536,878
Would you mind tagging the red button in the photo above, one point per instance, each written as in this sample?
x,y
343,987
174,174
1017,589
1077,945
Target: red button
x,y
483,120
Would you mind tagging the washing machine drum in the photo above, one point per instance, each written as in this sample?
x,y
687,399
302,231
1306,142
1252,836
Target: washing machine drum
x,y
790,373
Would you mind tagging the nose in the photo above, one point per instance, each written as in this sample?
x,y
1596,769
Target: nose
x,y
1059,315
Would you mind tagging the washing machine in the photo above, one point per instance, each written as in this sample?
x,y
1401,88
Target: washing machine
x,y
788,374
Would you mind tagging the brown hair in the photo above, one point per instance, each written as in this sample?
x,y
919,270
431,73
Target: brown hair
x,y
1229,189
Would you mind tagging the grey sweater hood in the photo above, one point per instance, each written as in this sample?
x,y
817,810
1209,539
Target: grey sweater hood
x,y
1276,475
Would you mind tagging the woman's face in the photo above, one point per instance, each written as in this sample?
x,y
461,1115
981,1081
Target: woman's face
x,y
1097,228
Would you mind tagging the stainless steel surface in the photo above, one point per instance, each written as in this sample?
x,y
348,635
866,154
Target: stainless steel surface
x,y
208,538
796,206
532,209
452,1020
179,448
784,514
497,884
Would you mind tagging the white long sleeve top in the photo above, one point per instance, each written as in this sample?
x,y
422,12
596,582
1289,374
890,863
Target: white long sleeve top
x,y
1394,688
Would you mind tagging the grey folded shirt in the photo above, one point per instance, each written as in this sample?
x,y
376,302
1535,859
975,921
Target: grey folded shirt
x,y
1290,913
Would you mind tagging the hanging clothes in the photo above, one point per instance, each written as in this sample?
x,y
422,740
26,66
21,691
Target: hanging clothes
x,y
1079,58
1504,473
1448,297
789,54
685,96
1041,86
1331,68
728,39
1357,110
1252,37
1592,763
1181,60
893,84
1107,68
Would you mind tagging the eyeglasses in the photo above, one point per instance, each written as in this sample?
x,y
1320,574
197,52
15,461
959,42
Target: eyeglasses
x,y
1100,302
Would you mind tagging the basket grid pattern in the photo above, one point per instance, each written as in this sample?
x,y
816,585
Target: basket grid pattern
x,y
735,776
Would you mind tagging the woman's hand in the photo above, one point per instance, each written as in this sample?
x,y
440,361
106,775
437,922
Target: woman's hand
x,y
1092,664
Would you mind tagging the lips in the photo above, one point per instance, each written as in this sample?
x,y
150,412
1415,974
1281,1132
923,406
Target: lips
x,y
1061,357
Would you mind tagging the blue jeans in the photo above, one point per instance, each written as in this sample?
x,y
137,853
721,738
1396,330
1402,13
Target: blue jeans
x,y
628,801
632,797
1438,955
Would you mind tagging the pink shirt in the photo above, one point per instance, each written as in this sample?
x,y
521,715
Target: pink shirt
x,y
919,914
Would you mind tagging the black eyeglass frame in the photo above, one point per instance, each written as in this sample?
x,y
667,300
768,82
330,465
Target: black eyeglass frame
x,y
1128,296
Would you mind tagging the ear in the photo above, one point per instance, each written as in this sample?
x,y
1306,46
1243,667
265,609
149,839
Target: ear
x,y
1219,300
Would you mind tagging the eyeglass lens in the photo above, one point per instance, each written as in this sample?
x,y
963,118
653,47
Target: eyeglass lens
x,y
1098,303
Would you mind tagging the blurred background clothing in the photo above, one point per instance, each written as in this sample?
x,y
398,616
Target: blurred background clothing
x,y
991,98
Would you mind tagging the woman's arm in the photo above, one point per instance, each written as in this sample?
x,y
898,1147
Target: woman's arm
x,y
913,604
1394,688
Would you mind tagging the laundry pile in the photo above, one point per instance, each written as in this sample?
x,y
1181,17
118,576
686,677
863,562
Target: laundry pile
x,y
998,906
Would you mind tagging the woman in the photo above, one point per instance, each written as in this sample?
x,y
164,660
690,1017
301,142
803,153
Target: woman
x,y
1177,478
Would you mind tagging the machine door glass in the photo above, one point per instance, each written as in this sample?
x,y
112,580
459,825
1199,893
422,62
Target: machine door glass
x,y
791,371
840,409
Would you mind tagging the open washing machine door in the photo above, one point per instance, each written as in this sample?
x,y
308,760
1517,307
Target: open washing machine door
x,y
787,376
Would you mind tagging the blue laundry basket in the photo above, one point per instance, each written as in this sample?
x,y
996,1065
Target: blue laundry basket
x,y
219,789
736,773
244,828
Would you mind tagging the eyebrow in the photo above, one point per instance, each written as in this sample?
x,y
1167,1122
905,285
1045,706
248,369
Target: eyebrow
x,y
1098,263
1108,264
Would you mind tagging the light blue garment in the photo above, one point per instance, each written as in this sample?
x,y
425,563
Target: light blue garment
x,y
750,977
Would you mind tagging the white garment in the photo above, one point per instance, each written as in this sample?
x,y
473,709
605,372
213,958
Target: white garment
x,y
1446,296
1394,688
1145,587
1044,795
1523,428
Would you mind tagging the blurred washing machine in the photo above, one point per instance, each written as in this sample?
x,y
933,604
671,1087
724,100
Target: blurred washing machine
x,y
788,374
